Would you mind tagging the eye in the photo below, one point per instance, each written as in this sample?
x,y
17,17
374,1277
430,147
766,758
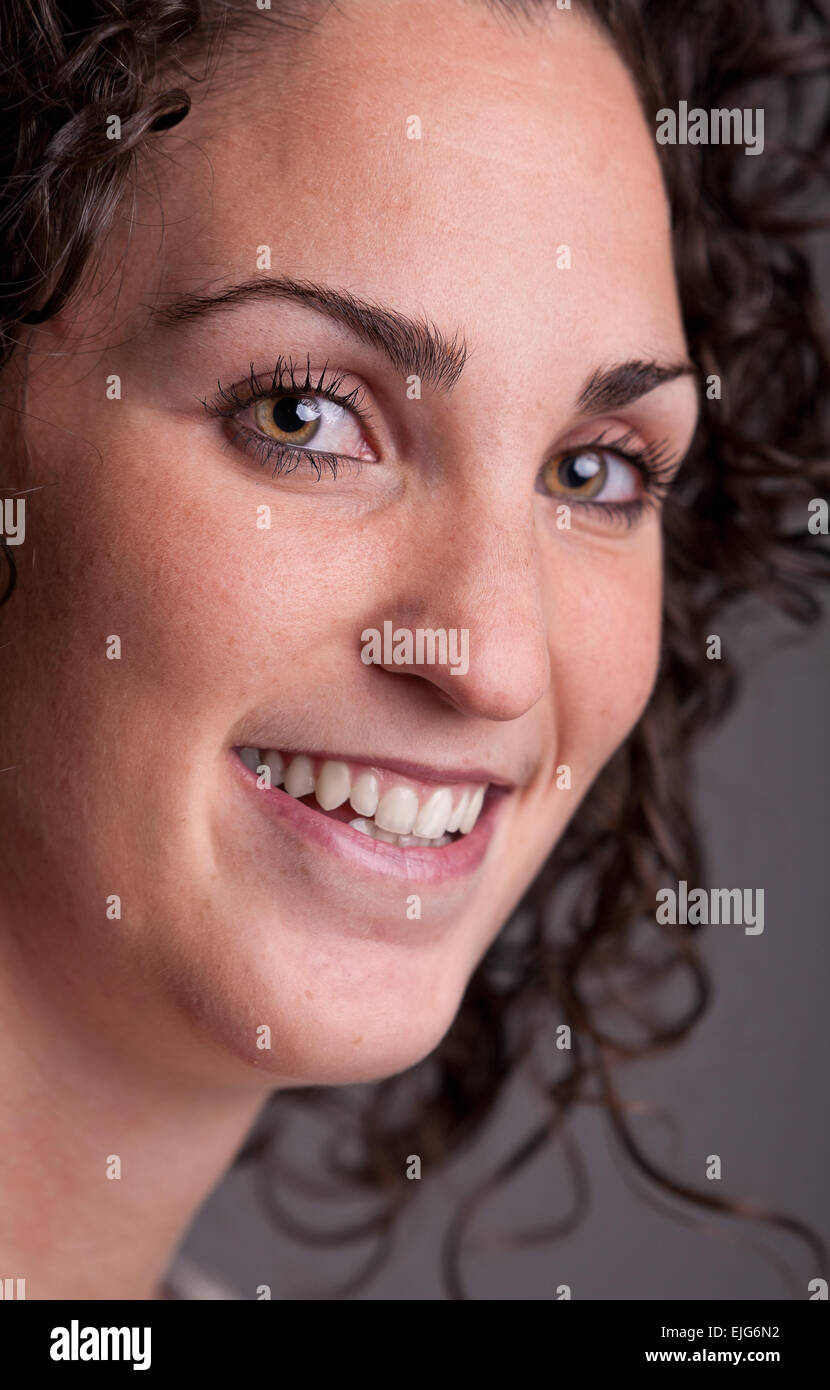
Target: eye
x,y
301,420
592,474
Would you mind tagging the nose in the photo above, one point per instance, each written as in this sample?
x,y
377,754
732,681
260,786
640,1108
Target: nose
x,y
480,581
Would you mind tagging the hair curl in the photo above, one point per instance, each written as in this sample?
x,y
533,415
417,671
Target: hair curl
x,y
735,524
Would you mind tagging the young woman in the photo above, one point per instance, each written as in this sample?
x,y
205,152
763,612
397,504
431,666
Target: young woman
x,y
392,415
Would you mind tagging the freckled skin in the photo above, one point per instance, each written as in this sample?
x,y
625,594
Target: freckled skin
x,y
144,525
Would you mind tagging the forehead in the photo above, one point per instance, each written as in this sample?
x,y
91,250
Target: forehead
x,y
438,159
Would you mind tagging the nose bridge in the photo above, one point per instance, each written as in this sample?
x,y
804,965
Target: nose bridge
x,y
509,564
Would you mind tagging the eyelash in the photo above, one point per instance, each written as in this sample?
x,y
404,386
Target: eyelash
x,y
653,461
230,401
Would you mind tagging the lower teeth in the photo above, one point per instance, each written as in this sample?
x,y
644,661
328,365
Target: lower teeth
x,y
368,827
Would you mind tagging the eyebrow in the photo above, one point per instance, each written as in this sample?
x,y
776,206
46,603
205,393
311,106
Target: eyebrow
x,y
414,346
613,387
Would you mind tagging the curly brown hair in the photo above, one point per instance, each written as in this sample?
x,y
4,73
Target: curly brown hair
x,y
735,523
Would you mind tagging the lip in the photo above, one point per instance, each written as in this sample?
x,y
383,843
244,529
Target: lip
x,y
373,857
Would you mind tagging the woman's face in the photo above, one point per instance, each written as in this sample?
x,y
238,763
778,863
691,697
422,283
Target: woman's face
x,y
498,187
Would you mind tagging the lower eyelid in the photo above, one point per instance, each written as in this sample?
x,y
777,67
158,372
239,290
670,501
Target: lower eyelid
x,y
260,447
626,511
610,514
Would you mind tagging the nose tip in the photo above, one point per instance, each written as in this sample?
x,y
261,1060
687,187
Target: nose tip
x,y
494,678
483,694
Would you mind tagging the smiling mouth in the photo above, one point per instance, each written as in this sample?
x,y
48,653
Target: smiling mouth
x,y
373,801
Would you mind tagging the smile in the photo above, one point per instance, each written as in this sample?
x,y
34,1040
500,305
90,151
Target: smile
x,y
373,801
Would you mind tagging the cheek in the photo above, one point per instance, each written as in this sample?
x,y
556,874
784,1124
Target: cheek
x,y
606,657
170,560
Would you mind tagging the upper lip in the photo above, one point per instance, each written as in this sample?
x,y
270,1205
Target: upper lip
x,y
422,772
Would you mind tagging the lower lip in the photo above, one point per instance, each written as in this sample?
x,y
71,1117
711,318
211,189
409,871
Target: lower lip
x,y
454,861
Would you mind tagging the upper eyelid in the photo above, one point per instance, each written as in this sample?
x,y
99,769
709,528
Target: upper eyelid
x,y
685,388
282,380
656,460
649,412
603,426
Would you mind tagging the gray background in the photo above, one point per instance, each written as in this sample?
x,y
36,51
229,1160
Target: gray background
x,y
748,1084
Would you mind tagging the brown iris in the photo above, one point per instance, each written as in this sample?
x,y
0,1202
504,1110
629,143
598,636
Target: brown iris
x,y
579,473
290,419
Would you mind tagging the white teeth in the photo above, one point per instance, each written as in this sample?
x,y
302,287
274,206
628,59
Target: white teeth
x,y
432,818
457,816
299,779
368,827
397,810
472,813
398,817
276,766
365,794
333,785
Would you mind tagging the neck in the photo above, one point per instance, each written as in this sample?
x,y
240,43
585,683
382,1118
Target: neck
x,y
106,1153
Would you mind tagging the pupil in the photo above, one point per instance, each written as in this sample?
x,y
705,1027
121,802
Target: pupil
x,y
292,415
580,469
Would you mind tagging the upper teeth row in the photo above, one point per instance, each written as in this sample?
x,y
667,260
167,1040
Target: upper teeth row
x,y
398,810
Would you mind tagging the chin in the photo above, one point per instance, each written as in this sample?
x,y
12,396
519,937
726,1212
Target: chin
x,y
286,1007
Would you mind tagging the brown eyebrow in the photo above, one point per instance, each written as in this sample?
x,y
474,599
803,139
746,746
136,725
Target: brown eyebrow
x,y
613,387
415,346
